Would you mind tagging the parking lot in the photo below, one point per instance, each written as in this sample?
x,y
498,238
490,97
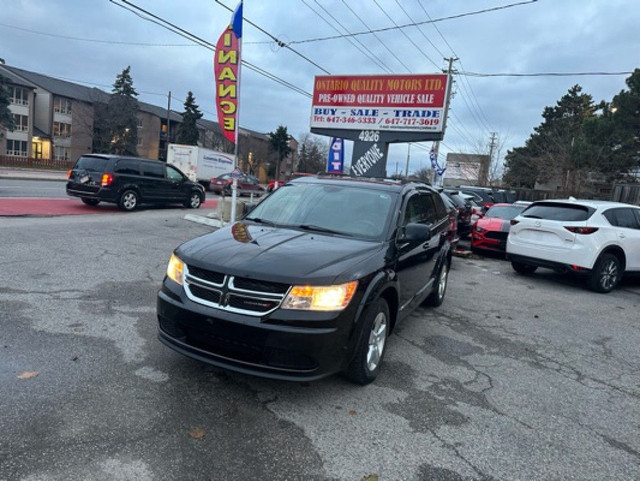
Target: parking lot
x,y
512,378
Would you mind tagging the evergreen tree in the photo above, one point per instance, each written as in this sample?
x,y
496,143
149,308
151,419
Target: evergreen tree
x,y
279,143
558,149
188,132
615,135
121,118
6,117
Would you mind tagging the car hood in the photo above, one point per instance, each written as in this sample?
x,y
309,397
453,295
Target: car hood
x,y
494,224
282,255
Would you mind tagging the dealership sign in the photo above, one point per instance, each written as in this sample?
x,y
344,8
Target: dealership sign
x,y
394,103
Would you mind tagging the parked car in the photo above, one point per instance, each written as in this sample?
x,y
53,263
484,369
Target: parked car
x,y
247,185
597,239
489,233
465,209
483,194
311,282
294,175
131,181
452,210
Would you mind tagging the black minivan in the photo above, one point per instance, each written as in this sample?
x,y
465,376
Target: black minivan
x,y
129,181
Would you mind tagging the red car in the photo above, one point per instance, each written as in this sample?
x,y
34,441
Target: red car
x,y
295,175
247,184
489,233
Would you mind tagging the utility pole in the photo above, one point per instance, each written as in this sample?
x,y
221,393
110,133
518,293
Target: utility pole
x,y
168,125
406,172
449,71
492,146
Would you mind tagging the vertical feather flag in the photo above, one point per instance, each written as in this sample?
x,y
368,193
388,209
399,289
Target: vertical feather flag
x,y
226,69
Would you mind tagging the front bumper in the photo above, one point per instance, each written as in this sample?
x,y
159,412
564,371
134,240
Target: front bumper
x,y
287,345
489,240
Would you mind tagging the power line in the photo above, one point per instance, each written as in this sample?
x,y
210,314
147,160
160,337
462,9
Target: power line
x,y
376,36
94,40
419,27
405,34
400,27
545,74
360,45
278,41
473,97
150,17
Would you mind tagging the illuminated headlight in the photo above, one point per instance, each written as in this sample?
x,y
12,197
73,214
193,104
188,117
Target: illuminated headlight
x,y
175,269
320,298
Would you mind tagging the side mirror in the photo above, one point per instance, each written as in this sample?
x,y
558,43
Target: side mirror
x,y
415,233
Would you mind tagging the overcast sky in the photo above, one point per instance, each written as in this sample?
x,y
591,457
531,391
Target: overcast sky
x,y
91,41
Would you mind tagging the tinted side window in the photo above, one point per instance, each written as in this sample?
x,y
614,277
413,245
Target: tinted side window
x,y
173,174
562,212
420,210
127,166
441,209
622,217
152,170
499,197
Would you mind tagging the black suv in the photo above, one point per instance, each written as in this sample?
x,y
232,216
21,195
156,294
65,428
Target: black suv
x,y
311,281
129,181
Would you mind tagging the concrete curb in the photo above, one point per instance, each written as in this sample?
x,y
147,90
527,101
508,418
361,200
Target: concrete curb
x,y
204,220
20,174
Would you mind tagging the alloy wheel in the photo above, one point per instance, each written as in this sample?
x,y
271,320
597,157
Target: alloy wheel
x,y
377,339
129,201
609,275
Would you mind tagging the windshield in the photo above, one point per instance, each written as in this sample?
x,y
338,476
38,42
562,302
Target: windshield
x,y
338,209
505,212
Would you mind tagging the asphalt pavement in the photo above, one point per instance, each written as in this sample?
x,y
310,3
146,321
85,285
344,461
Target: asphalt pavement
x,y
512,378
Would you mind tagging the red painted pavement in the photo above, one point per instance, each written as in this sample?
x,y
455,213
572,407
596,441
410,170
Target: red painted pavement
x,y
19,206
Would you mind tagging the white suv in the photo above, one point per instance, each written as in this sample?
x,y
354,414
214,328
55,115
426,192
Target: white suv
x,y
597,238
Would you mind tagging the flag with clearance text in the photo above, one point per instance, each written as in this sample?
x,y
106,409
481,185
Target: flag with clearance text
x,y
226,69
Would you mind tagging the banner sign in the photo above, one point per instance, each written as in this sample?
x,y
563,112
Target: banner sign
x,y
226,62
398,103
335,162
433,157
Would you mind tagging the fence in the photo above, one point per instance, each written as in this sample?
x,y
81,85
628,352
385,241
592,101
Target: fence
x,y
628,193
29,163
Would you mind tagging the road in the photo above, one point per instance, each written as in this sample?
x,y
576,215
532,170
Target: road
x,y
512,378
32,188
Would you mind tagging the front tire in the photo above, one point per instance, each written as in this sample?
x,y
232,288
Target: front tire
x,y
91,202
436,297
524,269
367,359
606,274
128,200
194,201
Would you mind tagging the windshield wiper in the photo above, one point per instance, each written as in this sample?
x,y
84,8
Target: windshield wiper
x,y
258,220
317,228
531,216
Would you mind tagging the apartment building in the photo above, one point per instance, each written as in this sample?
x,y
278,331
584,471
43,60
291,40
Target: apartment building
x,y
21,105
55,120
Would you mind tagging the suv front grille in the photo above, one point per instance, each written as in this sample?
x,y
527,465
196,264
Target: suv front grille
x,y
234,294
